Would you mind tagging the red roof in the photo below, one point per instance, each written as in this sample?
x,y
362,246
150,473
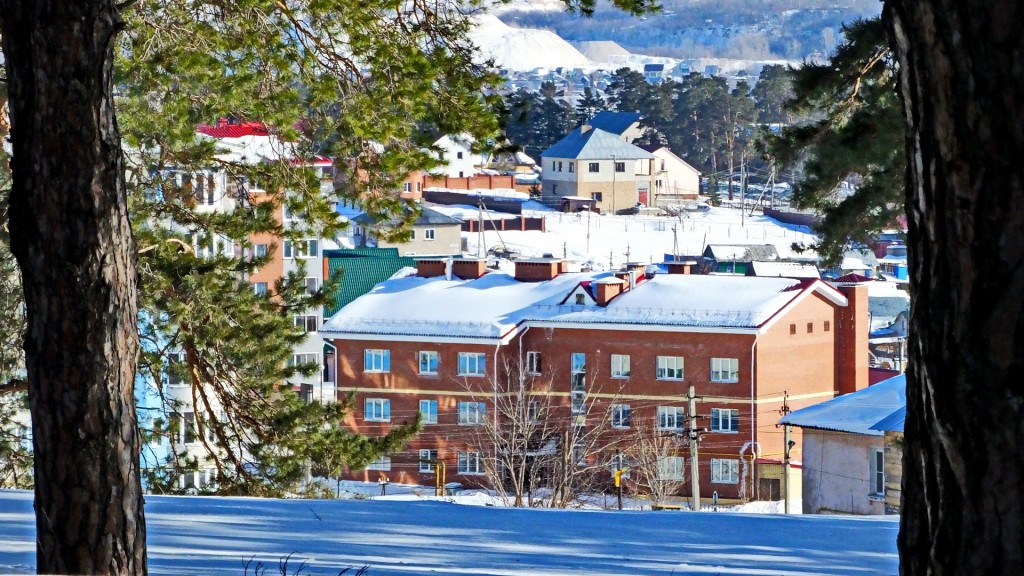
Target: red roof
x,y
853,279
226,128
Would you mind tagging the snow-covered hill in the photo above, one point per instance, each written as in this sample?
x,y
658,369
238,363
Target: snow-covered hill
x,y
523,49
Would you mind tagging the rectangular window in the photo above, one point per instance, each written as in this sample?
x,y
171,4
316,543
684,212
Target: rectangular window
x,y
533,411
620,166
533,362
472,364
792,329
301,249
878,471
581,299
376,360
428,362
578,371
597,196
176,369
383,463
622,416
304,359
828,326
307,322
725,471
559,166
458,155
725,420
554,165
571,164
671,418
470,463
407,187
377,410
412,236
725,370
429,234
669,368
595,167
472,413
810,327
312,284
259,250
428,460
187,428
428,411
620,366
260,288
670,468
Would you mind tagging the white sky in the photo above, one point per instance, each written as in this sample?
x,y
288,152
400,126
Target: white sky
x,y
409,535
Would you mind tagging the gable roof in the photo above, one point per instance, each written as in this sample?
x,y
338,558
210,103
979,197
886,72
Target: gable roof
x,y
654,67
614,122
858,412
427,217
741,252
589,143
785,269
226,128
491,307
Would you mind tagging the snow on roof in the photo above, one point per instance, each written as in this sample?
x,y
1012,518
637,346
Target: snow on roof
x,y
464,212
594,144
491,306
614,122
857,412
785,269
510,193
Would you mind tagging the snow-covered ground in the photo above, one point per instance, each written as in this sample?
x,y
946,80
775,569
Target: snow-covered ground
x,y
600,239
413,533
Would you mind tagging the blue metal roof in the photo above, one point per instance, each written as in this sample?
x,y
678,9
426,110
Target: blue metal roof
x,y
614,122
594,144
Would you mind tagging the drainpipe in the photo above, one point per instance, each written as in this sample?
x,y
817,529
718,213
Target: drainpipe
x,y
494,427
753,413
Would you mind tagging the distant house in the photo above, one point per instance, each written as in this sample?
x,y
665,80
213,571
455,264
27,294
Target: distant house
x,y
625,125
783,270
673,179
736,258
654,73
358,270
433,234
593,163
457,154
848,463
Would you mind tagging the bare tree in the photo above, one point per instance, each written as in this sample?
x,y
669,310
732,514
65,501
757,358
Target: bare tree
x,y
656,466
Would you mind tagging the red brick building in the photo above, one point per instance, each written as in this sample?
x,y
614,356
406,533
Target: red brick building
x,y
629,344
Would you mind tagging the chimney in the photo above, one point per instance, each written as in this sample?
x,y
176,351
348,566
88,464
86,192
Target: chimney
x,y
681,266
607,288
852,340
537,270
469,268
430,267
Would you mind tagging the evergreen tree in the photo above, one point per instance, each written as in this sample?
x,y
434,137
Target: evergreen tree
x,y
589,105
628,90
520,120
855,136
774,89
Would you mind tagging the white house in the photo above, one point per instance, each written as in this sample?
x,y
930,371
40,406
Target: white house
x,y
844,453
457,154
673,180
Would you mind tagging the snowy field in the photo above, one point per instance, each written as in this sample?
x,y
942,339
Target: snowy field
x,y
601,239
409,534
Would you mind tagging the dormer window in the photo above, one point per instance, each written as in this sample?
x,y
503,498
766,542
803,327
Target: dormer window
x,y
581,299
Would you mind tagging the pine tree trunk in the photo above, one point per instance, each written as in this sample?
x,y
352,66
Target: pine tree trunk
x,y
962,84
70,233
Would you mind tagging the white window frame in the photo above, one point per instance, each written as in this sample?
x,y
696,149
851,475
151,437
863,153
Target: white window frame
x,y
307,322
470,464
430,234
309,248
472,364
427,458
425,358
725,420
312,284
620,167
534,362
376,360
260,250
620,366
175,358
377,410
622,416
594,167
876,484
725,471
671,418
260,288
428,409
472,413
671,468
383,464
725,370
666,368
306,358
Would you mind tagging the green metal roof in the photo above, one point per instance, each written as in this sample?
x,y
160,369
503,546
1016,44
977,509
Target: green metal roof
x,y
360,270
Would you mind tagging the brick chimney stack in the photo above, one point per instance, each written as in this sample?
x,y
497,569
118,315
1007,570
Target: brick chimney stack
x,y
538,270
606,289
852,330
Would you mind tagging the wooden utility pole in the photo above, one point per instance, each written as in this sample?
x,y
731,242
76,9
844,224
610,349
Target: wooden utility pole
x,y
787,443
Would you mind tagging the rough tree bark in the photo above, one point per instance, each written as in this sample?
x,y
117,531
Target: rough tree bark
x,y
962,84
70,233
